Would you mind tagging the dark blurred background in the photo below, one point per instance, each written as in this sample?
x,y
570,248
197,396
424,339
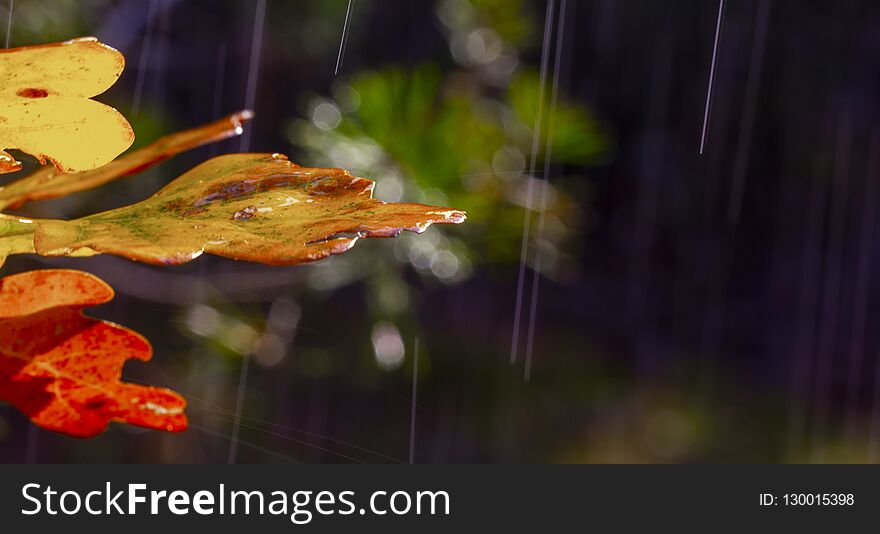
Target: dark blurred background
x,y
689,308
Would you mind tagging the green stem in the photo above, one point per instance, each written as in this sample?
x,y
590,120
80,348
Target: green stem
x,y
13,225
16,236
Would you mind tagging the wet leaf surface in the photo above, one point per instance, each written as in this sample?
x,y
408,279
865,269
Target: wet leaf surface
x,y
254,207
62,369
48,182
46,110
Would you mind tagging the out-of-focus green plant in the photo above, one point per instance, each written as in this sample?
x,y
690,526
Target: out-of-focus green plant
x,y
456,132
575,136
511,21
466,131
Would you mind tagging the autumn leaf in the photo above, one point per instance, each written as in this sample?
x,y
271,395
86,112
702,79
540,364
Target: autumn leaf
x,y
62,369
254,207
48,182
46,110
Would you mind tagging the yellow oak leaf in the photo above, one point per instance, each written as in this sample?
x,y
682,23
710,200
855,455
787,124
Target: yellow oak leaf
x,y
253,207
46,110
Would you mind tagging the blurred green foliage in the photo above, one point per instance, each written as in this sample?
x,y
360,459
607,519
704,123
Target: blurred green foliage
x,y
575,135
512,21
461,136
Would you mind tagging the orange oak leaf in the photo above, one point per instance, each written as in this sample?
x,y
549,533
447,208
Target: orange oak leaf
x,y
253,207
46,108
48,182
62,369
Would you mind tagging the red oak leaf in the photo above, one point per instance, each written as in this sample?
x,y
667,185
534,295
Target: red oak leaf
x,y
63,369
